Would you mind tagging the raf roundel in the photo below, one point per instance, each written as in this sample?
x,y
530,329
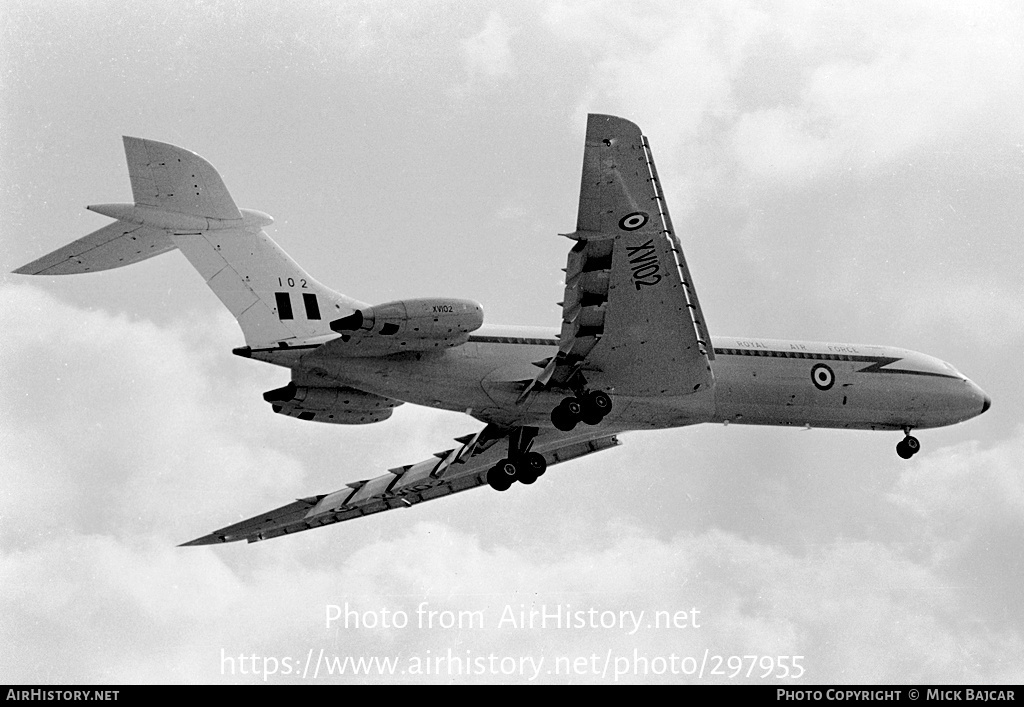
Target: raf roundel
x,y
822,377
633,221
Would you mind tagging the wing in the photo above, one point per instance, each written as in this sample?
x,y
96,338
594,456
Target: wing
x,y
631,321
453,470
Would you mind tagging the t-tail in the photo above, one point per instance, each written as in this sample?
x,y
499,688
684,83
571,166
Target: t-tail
x,y
181,202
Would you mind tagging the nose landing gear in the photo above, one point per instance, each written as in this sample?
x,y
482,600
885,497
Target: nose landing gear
x,y
909,446
589,408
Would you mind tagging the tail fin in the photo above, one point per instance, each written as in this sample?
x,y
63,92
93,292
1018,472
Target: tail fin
x,y
181,202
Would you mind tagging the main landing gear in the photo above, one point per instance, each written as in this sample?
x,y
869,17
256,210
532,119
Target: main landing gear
x,y
589,408
909,446
521,465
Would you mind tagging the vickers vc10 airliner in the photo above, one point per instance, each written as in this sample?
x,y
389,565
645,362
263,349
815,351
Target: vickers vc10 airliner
x,y
633,351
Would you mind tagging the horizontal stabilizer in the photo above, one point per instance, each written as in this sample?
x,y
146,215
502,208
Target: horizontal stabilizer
x,y
112,246
170,178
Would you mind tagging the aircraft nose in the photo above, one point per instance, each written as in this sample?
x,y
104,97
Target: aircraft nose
x,y
980,397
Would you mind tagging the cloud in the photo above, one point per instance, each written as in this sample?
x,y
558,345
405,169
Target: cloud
x,y
122,437
126,439
97,409
795,102
969,502
488,53
990,312
919,82
856,612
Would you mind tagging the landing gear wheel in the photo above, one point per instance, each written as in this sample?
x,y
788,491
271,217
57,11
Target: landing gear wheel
x,y
530,467
562,420
535,463
908,447
526,476
567,414
600,401
509,468
912,445
590,416
595,406
498,480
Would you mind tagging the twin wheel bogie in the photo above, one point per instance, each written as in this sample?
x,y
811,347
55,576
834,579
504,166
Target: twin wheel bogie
x,y
525,469
589,408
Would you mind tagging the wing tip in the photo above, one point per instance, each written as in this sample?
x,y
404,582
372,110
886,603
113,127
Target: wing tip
x,y
211,539
605,121
132,144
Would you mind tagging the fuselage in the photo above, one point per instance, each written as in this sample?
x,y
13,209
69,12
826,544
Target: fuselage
x,y
757,381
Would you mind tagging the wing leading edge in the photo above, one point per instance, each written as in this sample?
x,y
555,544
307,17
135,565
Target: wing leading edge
x,y
631,320
451,471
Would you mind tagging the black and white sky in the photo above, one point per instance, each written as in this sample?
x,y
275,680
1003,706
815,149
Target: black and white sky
x,y
847,171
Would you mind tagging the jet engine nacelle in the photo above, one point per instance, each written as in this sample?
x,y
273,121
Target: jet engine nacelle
x,y
412,324
336,417
340,405
324,398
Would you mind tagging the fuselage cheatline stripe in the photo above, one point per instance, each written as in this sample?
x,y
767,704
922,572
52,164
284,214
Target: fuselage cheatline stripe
x,y
878,363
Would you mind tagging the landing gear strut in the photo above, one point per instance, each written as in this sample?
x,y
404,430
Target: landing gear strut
x,y
589,408
909,446
521,465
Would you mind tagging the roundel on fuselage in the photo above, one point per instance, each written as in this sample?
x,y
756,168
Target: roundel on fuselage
x,y
822,377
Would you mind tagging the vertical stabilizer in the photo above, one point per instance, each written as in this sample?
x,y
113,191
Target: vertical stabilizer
x,y
273,299
180,201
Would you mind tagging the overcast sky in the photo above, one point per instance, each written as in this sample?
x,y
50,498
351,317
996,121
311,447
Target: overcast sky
x,y
847,172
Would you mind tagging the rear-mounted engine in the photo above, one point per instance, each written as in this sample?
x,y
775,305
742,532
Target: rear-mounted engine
x,y
411,325
341,405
